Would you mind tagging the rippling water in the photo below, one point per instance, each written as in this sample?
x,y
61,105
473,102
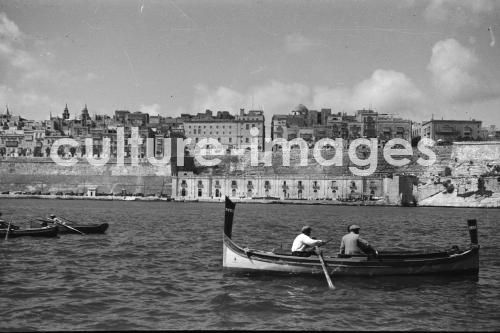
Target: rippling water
x,y
159,267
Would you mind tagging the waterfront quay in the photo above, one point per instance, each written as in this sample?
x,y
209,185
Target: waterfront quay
x,y
464,175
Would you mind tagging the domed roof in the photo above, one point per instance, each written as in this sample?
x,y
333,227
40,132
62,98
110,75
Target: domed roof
x,y
300,108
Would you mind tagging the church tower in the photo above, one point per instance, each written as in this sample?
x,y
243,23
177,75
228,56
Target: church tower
x,y
85,117
66,113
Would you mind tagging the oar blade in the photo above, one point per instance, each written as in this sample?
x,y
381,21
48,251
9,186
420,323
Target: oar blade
x,y
325,270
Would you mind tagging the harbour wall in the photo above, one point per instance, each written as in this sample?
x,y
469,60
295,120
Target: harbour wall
x,y
45,176
451,181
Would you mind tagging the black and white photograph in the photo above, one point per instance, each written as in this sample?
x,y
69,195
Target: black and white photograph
x,y
277,165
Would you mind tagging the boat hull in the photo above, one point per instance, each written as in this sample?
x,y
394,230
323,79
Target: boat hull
x,y
453,261
50,231
86,229
237,258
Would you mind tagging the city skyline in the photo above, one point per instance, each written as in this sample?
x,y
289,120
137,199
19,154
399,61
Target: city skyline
x,y
414,59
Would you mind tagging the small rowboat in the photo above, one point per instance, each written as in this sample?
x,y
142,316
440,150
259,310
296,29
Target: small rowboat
x,y
454,261
49,231
68,228
86,229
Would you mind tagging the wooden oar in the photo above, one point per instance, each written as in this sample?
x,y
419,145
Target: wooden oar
x,y
328,241
8,228
67,219
328,279
67,226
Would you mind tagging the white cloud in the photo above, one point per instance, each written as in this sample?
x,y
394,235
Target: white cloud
x,y
91,76
8,29
458,12
386,91
29,104
297,43
455,75
340,99
222,98
152,110
389,91
273,97
279,98
27,74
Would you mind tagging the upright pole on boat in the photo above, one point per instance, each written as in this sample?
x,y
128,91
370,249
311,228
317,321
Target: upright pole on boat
x,y
472,223
8,229
228,217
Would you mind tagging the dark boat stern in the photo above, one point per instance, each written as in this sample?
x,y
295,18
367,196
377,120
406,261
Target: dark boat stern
x,y
228,217
472,224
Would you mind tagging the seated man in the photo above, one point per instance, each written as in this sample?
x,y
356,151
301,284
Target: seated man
x,y
303,245
55,219
5,225
352,244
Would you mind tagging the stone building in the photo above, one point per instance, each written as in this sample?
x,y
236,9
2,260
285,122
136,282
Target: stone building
x,y
313,126
448,131
307,187
231,131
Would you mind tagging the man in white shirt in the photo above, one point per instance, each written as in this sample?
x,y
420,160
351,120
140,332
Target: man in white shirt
x,y
303,245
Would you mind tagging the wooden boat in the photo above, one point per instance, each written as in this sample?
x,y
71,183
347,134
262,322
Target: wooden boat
x,y
85,228
49,231
69,228
454,261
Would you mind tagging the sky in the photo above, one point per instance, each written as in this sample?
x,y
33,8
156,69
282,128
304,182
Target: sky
x,y
414,59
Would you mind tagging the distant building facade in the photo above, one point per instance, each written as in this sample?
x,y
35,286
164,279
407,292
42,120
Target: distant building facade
x,y
312,125
231,131
448,131
293,187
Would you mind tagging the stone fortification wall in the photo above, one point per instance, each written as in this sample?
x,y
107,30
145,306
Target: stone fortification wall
x,y
32,175
241,165
455,178
461,164
475,158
